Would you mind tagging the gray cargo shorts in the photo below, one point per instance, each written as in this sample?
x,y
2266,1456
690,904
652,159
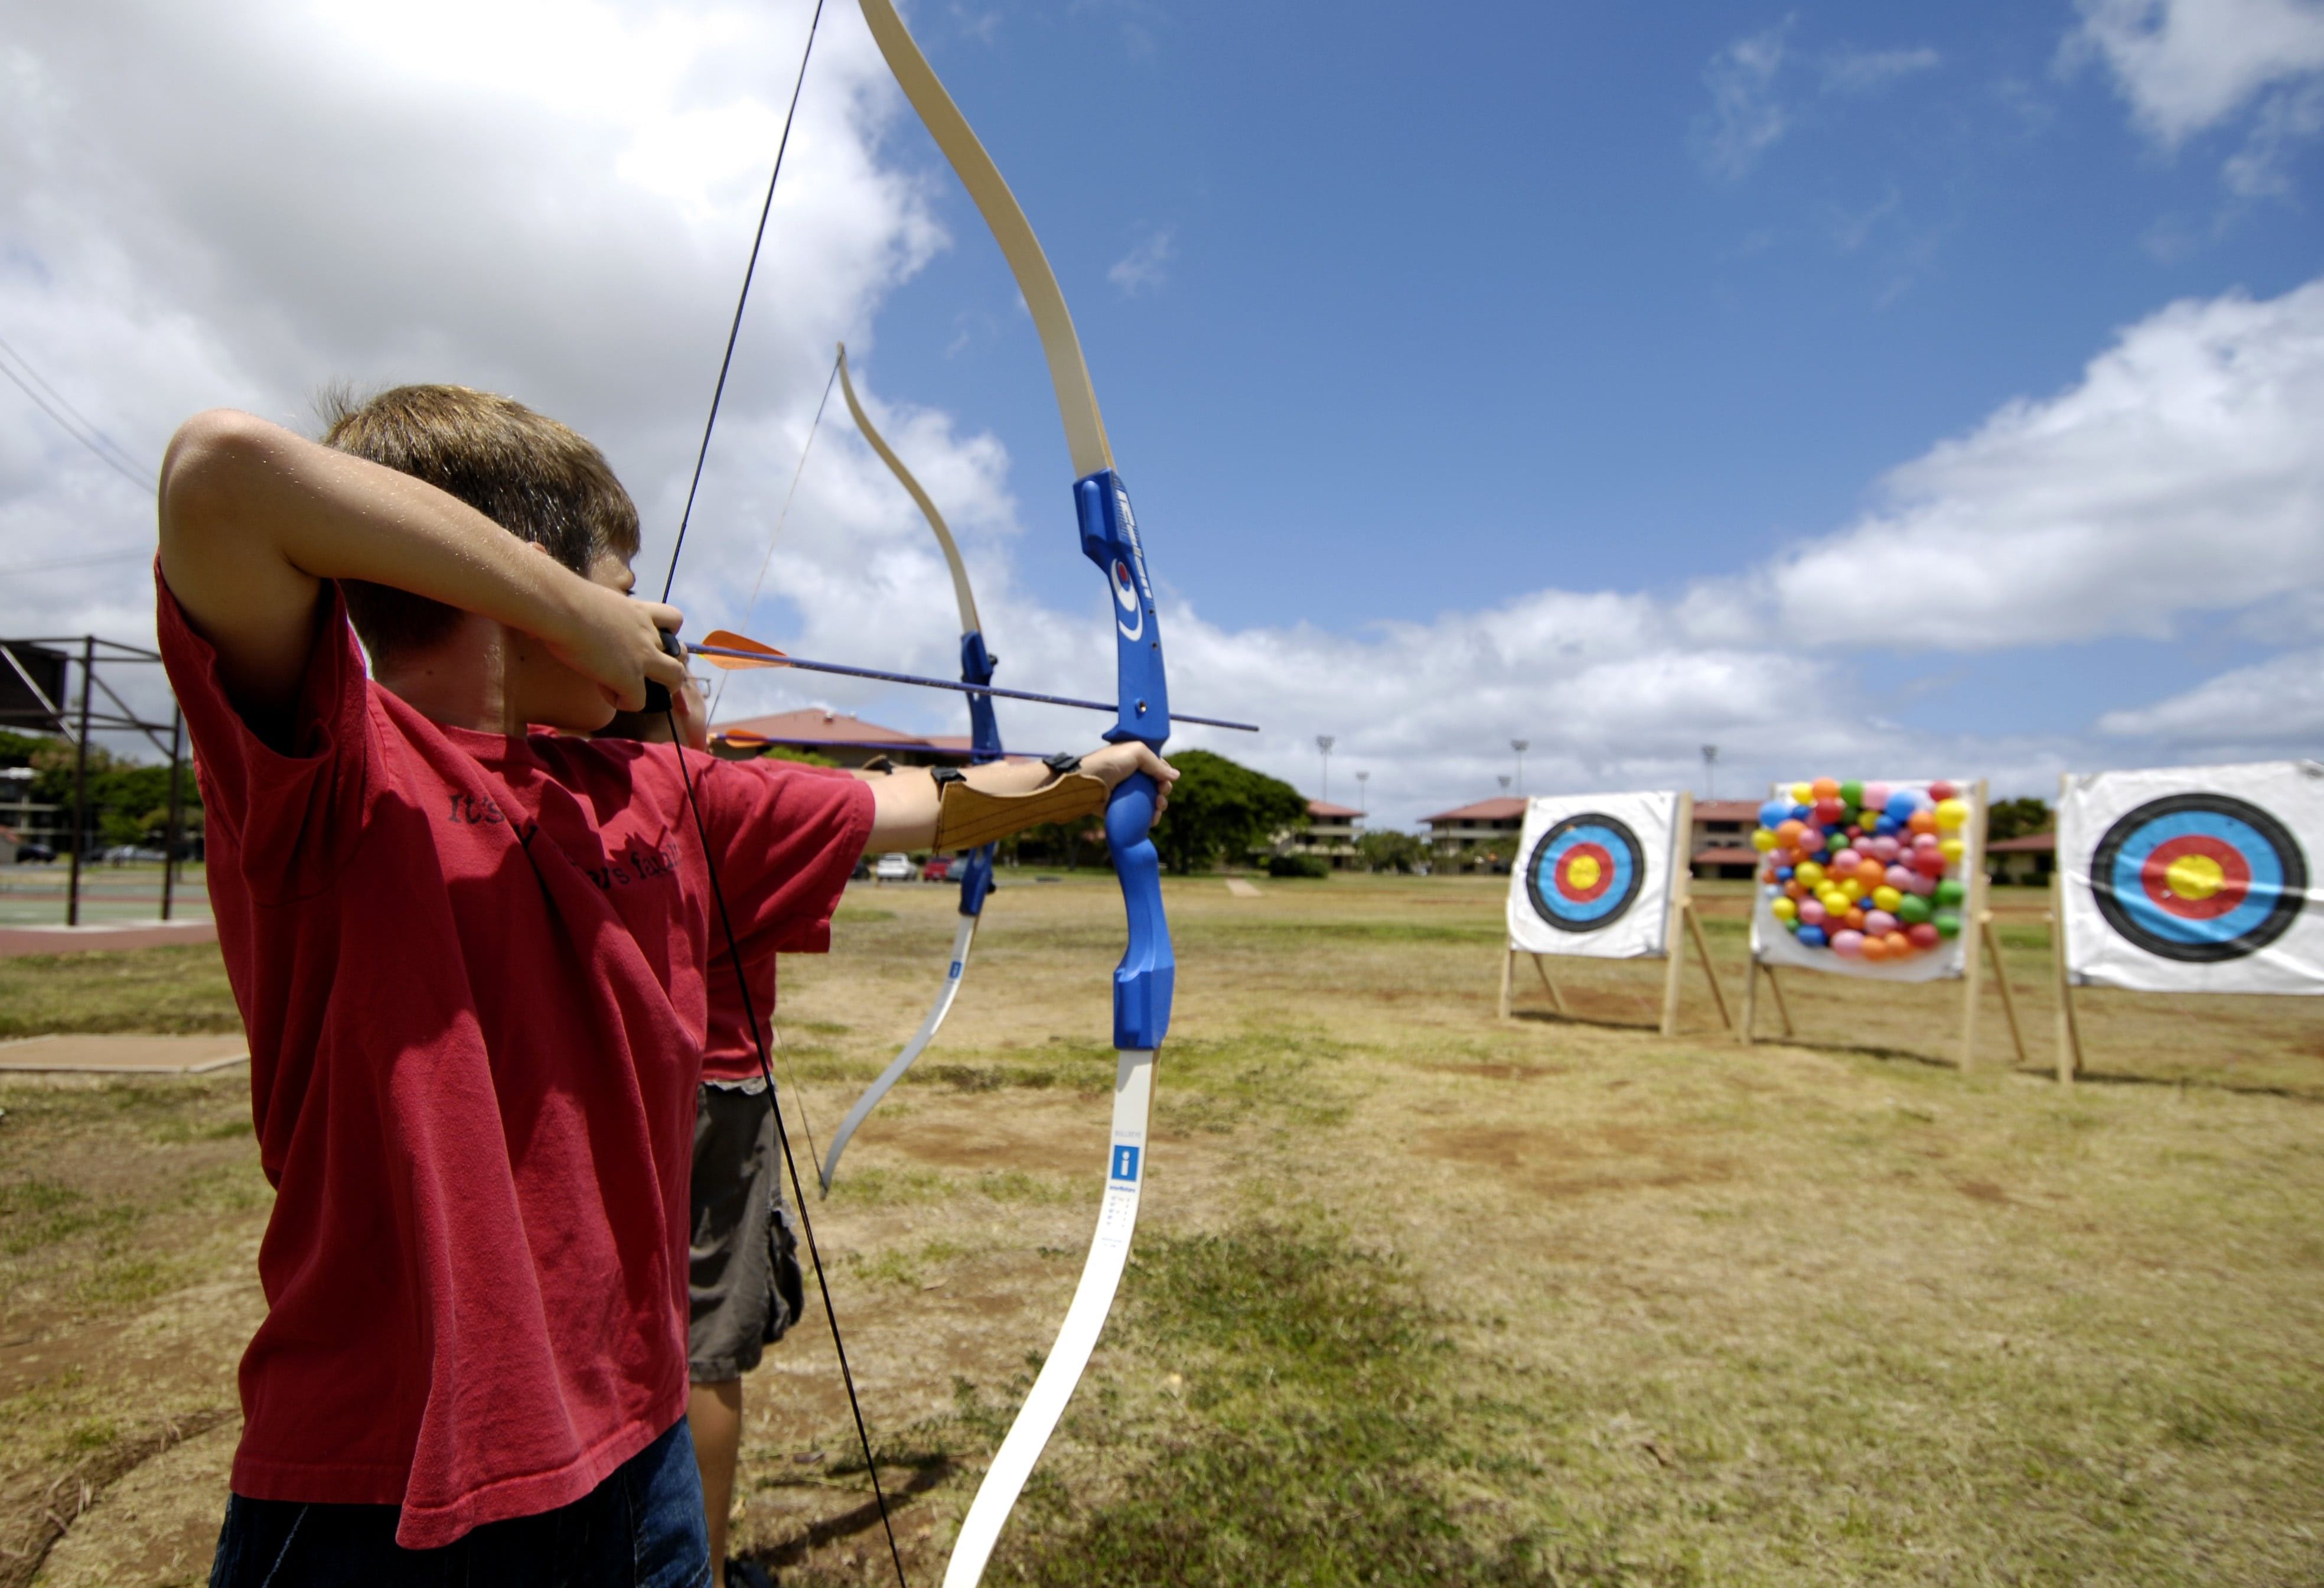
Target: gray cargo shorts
x,y
742,1280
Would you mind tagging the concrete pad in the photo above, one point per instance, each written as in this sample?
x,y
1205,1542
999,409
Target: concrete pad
x,y
113,935
1241,890
117,1053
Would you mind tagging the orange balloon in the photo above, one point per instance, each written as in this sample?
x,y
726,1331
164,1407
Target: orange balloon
x,y
1856,919
1787,833
1899,945
1871,874
1876,949
1795,888
1923,820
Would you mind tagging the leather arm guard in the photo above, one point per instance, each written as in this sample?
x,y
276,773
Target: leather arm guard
x,y
967,816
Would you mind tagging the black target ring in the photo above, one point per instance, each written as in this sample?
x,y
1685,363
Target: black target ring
x,y
2239,848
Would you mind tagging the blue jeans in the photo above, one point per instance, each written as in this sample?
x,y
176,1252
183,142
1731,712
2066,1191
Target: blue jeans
x,y
642,1528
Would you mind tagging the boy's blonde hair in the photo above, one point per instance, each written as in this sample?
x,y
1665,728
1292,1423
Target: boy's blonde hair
x,y
531,475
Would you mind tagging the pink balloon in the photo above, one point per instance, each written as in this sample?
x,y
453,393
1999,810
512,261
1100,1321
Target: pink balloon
x,y
1884,850
1812,912
1811,840
1785,857
1923,883
1846,860
1899,877
1879,922
1876,795
1849,945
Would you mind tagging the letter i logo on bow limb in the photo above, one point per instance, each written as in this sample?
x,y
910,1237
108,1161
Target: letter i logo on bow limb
x,y
984,745
1143,981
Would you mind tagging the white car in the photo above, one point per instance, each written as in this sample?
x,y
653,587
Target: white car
x,y
894,868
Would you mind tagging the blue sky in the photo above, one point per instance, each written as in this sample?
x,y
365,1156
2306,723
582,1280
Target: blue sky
x,y
1923,391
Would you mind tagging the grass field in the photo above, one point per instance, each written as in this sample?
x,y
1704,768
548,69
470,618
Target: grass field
x,y
1419,1297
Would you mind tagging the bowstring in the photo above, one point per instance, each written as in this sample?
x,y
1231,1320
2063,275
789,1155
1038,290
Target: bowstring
x,y
702,830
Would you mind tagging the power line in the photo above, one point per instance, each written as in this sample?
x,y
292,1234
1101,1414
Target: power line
x,y
71,419
94,557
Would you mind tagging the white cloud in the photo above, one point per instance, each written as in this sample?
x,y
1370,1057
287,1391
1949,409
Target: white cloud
x,y
2186,65
1849,71
2274,709
1746,118
1146,267
2181,474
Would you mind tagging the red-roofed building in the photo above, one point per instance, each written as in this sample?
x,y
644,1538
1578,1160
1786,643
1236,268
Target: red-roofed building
x,y
1330,835
2022,861
1457,834
1719,845
848,740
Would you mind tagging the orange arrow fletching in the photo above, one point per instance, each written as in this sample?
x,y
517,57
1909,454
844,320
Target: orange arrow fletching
x,y
726,640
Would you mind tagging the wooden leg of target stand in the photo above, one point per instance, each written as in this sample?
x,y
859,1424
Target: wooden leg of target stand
x,y
1782,1009
1508,964
2001,984
1702,949
1750,997
1556,999
2069,1036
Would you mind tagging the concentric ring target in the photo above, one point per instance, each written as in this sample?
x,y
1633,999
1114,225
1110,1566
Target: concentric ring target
x,y
2199,878
1585,872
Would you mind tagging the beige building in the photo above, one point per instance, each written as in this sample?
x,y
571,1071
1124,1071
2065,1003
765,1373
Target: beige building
x,y
1330,835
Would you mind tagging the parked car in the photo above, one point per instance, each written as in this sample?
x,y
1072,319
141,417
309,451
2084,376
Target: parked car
x,y
31,853
939,869
892,868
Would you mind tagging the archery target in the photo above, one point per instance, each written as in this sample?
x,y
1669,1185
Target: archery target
x,y
1775,943
2203,886
1592,875
1585,872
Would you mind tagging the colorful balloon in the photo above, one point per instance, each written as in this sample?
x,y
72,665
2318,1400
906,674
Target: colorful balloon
x,y
1942,789
1763,840
1912,910
1825,788
1786,911
1847,944
1903,803
1870,872
1788,833
1950,893
1876,795
1953,849
1923,820
1852,793
1924,935
1899,945
1812,839
1802,793
1847,860
1812,912
1775,813
1811,936
1886,898
1879,923
1948,924
1952,814
1928,862
1853,889
1809,873
1874,949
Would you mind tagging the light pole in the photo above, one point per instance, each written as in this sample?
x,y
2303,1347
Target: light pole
x,y
1521,746
1324,742
1363,794
1503,780
1710,771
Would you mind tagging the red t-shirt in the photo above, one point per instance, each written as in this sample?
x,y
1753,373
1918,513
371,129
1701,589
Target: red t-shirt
x,y
472,968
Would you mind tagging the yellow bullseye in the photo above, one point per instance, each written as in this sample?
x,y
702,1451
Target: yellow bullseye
x,y
2194,877
1583,874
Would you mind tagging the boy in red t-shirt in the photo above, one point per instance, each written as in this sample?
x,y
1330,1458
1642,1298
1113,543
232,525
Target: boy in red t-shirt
x,y
472,962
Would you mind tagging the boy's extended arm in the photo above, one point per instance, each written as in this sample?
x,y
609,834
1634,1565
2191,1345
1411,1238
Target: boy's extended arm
x,y
905,801
255,517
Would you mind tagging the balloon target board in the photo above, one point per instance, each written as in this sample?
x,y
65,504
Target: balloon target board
x,y
2197,879
1593,875
1867,877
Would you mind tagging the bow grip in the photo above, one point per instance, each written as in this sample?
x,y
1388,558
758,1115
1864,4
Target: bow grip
x,y
657,695
1148,970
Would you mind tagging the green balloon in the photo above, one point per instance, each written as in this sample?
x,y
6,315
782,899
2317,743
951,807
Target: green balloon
x,y
1949,891
1914,910
1948,924
1852,794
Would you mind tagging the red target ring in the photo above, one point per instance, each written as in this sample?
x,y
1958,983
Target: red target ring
x,y
1584,873
2195,877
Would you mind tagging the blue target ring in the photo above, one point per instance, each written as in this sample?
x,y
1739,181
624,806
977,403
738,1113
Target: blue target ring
x,y
2199,878
1586,874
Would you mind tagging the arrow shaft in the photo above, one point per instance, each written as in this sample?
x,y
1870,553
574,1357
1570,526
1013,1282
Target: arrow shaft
x,y
764,659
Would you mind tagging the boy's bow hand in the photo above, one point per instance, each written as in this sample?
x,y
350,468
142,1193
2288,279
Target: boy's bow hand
x,y
615,641
1117,761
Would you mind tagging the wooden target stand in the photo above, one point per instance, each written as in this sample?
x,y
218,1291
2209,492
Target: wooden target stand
x,y
1682,912
1977,919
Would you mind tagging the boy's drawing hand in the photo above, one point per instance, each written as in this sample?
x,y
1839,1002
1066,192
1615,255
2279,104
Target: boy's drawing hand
x,y
1117,761
615,642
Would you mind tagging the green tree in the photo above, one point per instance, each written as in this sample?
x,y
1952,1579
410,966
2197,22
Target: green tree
x,y
1390,851
2016,818
1220,808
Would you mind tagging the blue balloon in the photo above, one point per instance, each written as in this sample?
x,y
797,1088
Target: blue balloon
x,y
1811,936
1903,803
1801,813
1885,827
1775,813
1783,874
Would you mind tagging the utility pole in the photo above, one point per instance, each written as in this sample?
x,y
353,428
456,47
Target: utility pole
x,y
1324,742
1521,746
170,836
1363,794
1710,772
